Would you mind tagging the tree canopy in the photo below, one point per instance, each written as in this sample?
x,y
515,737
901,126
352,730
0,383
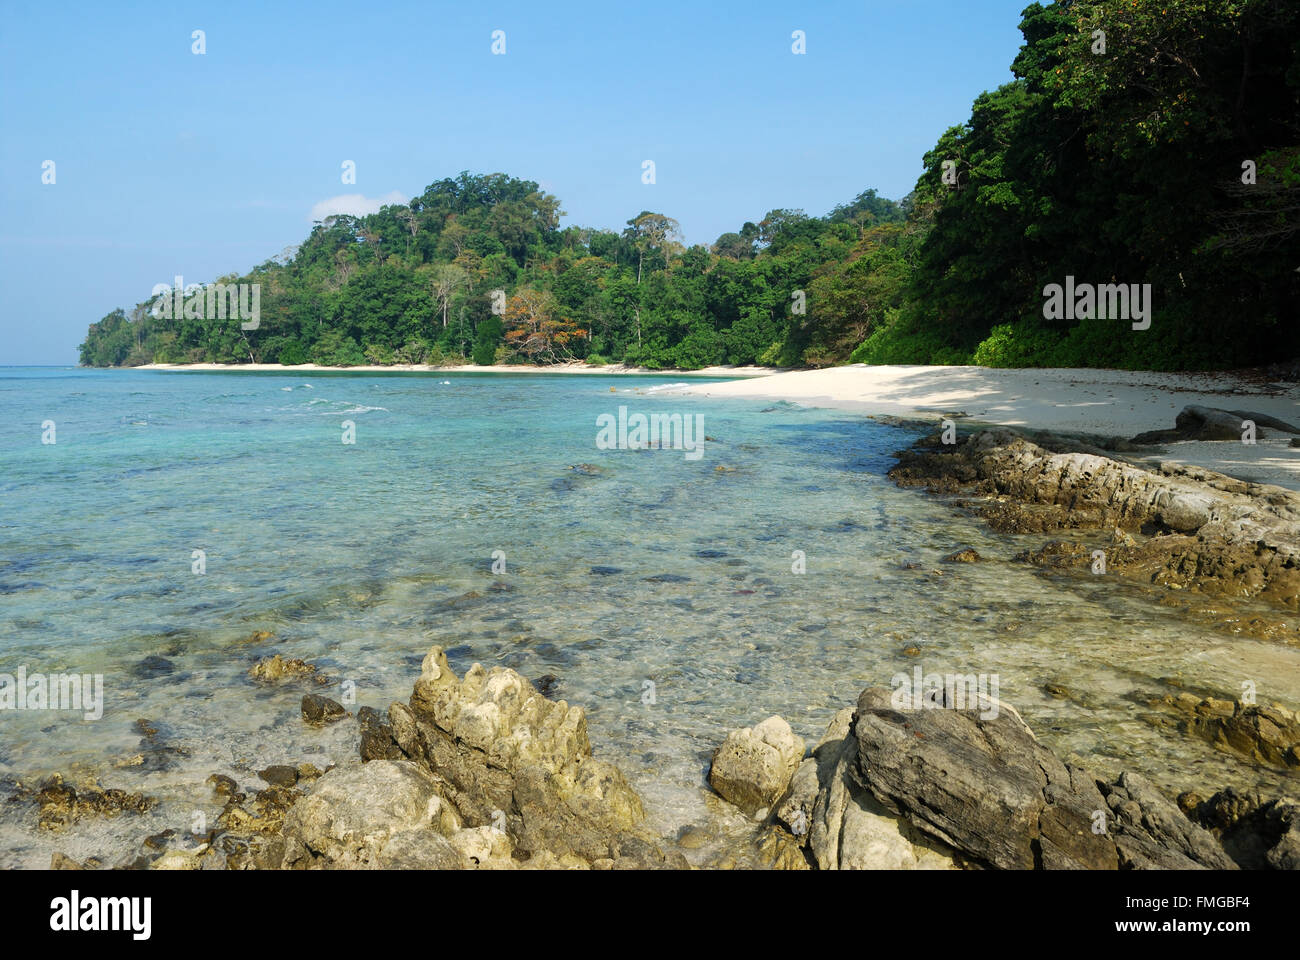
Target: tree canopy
x,y
1139,143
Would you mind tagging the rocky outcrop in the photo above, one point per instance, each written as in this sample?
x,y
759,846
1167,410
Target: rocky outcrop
x,y
1209,423
754,765
961,785
1190,529
479,772
840,824
980,782
318,710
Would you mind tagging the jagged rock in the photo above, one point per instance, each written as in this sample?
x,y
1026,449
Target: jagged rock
x,y
780,850
980,782
62,804
321,710
1150,831
509,758
965,555
754,765
377,741
1257,834
61,861
264,814
1218,535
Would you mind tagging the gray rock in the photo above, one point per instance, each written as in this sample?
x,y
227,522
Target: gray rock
x,y
851,830
983,785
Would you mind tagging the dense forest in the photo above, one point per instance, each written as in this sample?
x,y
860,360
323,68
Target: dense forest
x,y
1139,143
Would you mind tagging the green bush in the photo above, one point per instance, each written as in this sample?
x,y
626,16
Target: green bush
x,y
902,339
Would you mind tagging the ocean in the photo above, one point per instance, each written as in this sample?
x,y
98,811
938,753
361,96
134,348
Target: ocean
x,y
176,516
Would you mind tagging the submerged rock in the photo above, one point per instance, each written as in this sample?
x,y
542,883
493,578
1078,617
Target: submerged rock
x,y
1266,734
275,669
321,710
152,667
62,804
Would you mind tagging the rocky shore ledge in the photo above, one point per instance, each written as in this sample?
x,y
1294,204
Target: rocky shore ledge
x,y
485,772
1183,531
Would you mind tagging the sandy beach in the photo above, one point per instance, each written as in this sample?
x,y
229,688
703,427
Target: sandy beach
x,y
563,368
1106,402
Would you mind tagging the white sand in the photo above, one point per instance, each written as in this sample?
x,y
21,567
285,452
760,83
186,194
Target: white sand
x,y
1107,402
575,368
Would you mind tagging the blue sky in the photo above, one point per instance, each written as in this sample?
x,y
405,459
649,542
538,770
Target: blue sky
x,y
170,163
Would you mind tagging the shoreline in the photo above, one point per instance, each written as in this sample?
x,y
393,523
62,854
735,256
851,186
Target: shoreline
x,y
561,368
1084,401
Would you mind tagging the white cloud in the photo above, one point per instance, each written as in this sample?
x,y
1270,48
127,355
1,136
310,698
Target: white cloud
x,y
354,204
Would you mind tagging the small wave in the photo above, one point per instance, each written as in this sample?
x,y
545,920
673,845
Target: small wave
x,y
359,408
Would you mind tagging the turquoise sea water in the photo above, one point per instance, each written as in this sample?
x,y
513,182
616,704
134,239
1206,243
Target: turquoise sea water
x,y
639,572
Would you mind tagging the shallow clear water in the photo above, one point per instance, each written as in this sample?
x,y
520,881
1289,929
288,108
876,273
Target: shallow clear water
x,y
349,554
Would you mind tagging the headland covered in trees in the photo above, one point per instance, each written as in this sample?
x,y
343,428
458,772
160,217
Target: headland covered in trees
x,y
1144,148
